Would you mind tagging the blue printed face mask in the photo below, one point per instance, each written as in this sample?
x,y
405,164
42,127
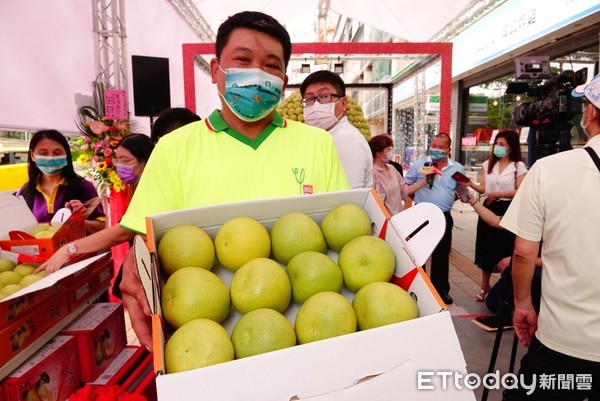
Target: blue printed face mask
x,y
250,93
437,155
500,151
50,165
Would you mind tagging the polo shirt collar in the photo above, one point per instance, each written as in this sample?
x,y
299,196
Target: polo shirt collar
x,y
216,123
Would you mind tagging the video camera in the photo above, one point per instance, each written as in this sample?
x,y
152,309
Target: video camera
x,y
552,107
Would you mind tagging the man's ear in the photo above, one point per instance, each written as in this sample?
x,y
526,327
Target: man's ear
x,y
344,103
214,69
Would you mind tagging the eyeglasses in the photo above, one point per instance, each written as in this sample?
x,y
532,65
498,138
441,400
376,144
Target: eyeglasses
x,y
322,98
125,162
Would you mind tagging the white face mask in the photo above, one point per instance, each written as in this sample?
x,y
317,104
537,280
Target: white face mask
x,y
321,115
387,157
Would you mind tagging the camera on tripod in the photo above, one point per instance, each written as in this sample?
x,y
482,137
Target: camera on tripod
x,y
551,106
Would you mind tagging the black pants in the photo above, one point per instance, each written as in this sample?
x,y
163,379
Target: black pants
x,y
440,259
580,377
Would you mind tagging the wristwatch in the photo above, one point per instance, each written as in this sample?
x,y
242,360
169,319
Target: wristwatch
x,y
71,248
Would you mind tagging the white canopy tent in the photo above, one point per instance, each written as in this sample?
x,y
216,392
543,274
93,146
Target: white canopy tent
x,y
47,48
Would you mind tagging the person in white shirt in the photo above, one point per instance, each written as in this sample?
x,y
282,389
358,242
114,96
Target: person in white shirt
x,y
558,202
503,173
325,104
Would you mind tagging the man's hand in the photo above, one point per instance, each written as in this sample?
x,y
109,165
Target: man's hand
x,y
56,261
135,302
525,323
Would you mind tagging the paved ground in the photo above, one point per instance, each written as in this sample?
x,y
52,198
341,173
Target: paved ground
x,y
476,342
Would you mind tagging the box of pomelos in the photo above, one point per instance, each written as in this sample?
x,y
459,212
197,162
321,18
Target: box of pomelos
x,y
21,233
318,297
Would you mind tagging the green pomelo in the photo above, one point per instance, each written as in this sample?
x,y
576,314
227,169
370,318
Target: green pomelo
x,y
196,344
294,233
260,331
344,223
24,269
260,283
324,315
185,246
6,265
9,277
240,240
313,272
365,260
11,289
29,279
379,304
192,293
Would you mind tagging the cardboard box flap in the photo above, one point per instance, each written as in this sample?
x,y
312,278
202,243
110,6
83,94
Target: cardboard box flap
x,y
148,273
419,228
15,215
323,368
54,278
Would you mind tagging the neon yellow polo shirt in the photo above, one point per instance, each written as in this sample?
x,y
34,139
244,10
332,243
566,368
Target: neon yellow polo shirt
x,y
207,162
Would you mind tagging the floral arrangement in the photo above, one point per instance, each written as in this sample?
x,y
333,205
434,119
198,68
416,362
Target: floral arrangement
x,y
104,393
98,143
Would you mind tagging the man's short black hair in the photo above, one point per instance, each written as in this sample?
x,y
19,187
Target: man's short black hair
x,y
259,22
324,76
171,119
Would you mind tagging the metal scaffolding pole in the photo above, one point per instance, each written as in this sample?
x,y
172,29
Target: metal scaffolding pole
x,y
111,43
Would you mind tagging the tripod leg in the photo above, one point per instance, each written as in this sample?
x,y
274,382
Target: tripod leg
x,y
503,306
513,354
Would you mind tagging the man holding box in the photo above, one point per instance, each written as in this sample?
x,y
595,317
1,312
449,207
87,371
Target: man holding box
x,y
244,151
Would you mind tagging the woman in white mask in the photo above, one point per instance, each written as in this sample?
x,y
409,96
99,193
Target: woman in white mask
x,y
53,183
325,103
504,172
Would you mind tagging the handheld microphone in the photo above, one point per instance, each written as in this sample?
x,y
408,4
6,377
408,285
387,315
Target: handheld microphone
x,y
428,170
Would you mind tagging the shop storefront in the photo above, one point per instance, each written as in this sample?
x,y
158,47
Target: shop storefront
x,y
490,95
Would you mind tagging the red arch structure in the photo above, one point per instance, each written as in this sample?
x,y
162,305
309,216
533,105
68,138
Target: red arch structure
x,y
443,49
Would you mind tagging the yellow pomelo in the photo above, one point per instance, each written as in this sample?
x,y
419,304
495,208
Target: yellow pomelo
x,y
260,283
11,289
192,293
185,246
379,304
44,234
196,344
324,315
344,223
29,279
9,277
24,269
6,265
365,260
313,272
240,240
294,233
54,228
260,331
41,273
2,296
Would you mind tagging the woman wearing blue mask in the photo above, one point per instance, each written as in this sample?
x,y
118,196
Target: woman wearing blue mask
x,y
53,183
503,173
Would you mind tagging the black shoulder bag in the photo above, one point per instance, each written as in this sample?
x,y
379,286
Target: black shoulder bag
x,y
594,156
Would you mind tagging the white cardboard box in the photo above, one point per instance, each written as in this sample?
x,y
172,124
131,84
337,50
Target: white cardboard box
x,y
379,364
